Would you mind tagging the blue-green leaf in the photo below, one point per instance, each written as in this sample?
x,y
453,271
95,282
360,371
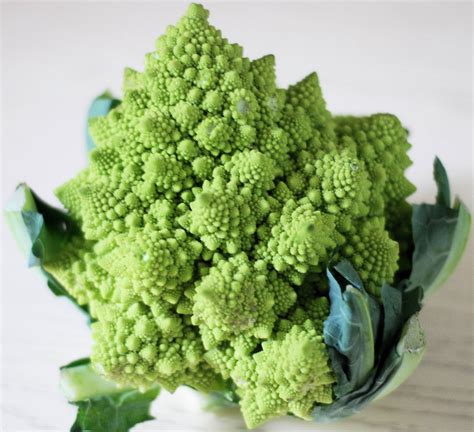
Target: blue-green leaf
x,y
117,413
406,357
440,235
349,331
392,314
392,369
102,405
41,232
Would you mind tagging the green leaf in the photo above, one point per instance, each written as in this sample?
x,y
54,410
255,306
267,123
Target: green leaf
x,y
99,107
40,229
412,298
74,363
440,235
410,349
117,413
392,314
103,405
391,371
399,304
443,196
395,350
345,269
41,232
349,331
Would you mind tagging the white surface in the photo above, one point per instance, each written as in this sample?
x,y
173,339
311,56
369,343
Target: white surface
x,y
410,59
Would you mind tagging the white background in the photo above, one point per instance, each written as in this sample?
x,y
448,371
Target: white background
x,y
411,59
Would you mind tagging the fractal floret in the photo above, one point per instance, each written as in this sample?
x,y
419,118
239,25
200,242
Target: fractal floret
x,y
237,238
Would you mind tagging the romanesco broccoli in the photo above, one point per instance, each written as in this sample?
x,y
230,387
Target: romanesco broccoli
x,y
212,205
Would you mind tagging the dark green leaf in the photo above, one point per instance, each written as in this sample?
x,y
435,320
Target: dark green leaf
x,y
406,357
40,229
399,304
349,330
412,297
402,359
339,367
114,413
79,362
103,406
440,235
394,361
392,314
443,196
41,232
345,269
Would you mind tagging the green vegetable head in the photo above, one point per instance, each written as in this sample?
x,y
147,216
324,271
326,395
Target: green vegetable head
x,y
237,238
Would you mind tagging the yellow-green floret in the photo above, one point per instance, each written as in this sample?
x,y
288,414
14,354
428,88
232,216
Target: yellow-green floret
x,y
210,209
290,374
